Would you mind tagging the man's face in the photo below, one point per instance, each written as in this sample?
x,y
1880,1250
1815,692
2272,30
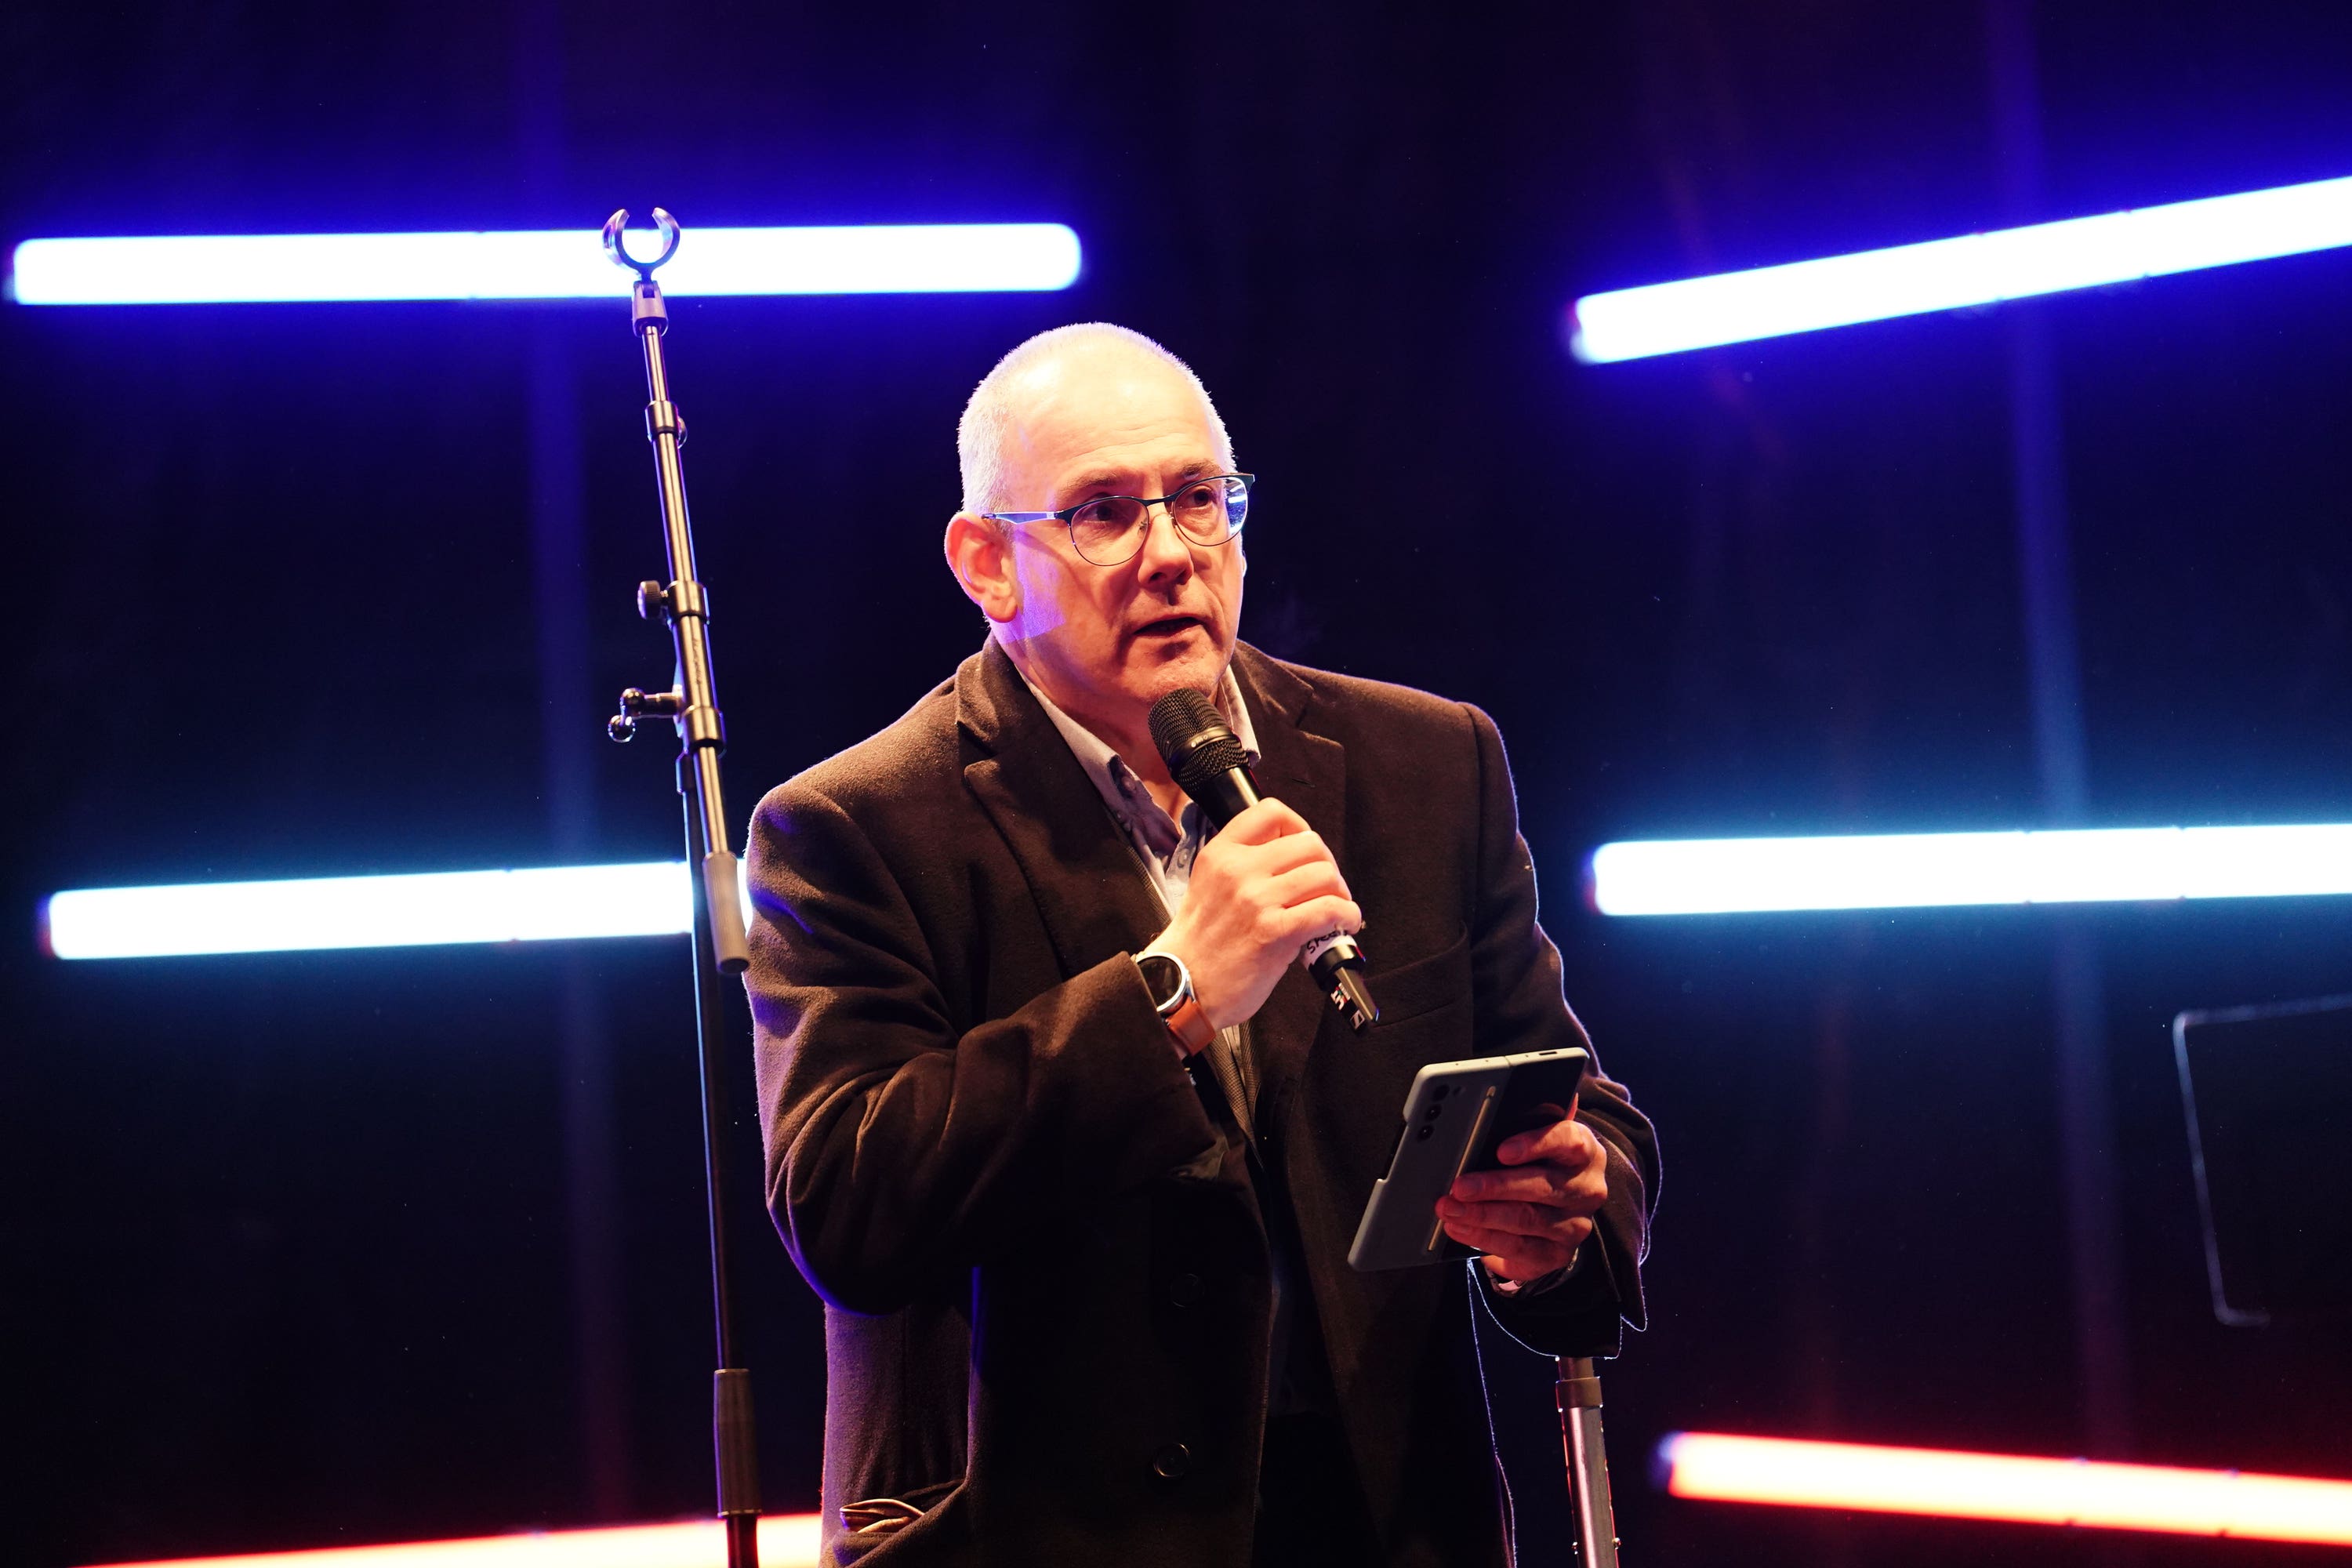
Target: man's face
x,y
1106,642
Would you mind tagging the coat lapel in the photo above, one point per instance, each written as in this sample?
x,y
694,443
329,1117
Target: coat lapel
x,y
1094,899
1307,772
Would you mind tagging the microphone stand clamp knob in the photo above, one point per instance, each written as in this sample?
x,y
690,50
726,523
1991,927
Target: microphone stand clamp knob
x,y
636,705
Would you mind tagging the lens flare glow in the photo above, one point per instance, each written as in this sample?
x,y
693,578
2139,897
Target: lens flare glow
x,y
1918,870
1951,1485
544,264
547,904
1954,274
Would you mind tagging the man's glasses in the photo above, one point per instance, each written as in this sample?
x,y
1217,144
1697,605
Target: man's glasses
x,y
1109,531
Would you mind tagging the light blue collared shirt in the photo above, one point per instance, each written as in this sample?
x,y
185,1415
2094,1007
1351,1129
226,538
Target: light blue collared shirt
x,y
1166,845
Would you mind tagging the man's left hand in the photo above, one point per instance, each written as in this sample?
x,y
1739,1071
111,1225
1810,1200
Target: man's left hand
x,y
1530,1217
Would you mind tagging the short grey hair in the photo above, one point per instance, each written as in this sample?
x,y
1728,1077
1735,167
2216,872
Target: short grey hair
x,y
988,417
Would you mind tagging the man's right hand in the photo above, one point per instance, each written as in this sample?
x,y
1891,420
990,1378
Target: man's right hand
x,y
1261,890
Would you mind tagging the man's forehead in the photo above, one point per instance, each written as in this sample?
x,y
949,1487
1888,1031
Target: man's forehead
x,y
1105,406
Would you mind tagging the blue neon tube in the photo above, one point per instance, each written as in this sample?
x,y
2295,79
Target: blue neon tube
x,y
1954,274
1658,876
544,904
543,264
1918,870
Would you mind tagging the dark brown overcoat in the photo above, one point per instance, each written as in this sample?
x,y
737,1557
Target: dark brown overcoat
x,y
1048,1305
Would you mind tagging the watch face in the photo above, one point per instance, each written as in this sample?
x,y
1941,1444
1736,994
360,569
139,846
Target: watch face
x,y
1161,977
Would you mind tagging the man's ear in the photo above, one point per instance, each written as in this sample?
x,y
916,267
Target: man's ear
x,y
980,554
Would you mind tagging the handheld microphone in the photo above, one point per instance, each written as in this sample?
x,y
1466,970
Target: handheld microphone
x,y
1206,759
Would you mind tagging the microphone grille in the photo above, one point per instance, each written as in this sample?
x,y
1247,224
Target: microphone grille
x,y
1193,741
1217,754
1179,716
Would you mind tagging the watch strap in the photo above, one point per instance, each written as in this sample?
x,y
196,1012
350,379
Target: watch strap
x,y
1189,1023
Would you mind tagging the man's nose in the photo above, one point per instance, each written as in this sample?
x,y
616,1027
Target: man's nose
x,y
1166,551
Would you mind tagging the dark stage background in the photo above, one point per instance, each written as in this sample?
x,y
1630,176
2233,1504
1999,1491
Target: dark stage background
x,y
385,1245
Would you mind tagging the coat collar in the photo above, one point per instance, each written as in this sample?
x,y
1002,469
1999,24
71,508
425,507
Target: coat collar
x,y
1093,897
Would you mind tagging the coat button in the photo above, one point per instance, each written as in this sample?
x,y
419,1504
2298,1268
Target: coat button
x,y
1185,1290
1171,1461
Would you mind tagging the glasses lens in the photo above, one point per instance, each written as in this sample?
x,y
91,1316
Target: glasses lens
x,y
1211,511
1108,531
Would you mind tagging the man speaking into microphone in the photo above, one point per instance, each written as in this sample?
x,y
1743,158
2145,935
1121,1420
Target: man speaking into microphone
x,y
1057,1124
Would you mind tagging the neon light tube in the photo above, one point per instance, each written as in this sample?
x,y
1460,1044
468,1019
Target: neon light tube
x,y
553,903
543,264
786,1541
1921,870
1953,274
1949,1485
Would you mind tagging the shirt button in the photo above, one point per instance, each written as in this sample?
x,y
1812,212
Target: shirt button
x,y
1185,1290
1171,1461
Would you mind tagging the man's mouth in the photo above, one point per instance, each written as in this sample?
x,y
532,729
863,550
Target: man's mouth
x,y
1169,627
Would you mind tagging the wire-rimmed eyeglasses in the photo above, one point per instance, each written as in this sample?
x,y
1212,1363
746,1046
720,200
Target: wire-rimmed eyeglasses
x,y
1109,531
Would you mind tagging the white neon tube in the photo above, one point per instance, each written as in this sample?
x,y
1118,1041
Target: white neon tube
x,y
2079,1492
548,904
1918,870
544,264
1953,274
786,1541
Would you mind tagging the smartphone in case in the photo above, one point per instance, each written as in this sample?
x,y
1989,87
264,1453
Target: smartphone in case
x,y
1455,1115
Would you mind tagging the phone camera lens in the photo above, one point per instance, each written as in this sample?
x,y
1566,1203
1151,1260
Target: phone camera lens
x,y
1424,1130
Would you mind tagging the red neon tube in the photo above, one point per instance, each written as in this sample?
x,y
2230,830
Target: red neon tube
x,y
2092,1494
786,1541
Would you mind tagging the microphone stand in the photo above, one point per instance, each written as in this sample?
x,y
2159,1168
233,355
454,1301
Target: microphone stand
x,y
719,948
1578,1396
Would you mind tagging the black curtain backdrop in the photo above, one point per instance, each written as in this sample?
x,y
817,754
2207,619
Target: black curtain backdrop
x,y
288,1254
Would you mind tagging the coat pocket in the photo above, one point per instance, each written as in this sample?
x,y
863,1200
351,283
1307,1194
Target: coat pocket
x,y
1425,984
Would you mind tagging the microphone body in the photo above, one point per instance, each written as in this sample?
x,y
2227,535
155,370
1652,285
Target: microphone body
x,y
1206,759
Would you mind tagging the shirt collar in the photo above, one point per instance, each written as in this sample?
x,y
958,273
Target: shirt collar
x,y
1121,790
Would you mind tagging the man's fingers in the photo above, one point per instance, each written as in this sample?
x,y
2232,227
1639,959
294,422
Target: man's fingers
x,y
1288,929
1268,820
1286,853
1318,880
1521,1258
1302,923
1563,1241
1567,1142
1557,1186
1517,1218
1508,1243
1567,1219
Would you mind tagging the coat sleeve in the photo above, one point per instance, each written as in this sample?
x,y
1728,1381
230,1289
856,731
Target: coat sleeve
x,y
902,1150
1515,976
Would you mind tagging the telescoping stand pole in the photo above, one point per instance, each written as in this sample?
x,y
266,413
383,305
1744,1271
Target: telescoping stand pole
x,y
720,950
1577,1393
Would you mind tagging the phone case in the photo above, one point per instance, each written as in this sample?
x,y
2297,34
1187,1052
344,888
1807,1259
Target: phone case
x,y
1455,1115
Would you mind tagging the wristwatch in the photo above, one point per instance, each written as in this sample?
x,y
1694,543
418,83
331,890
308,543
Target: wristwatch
x,y
1171,985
